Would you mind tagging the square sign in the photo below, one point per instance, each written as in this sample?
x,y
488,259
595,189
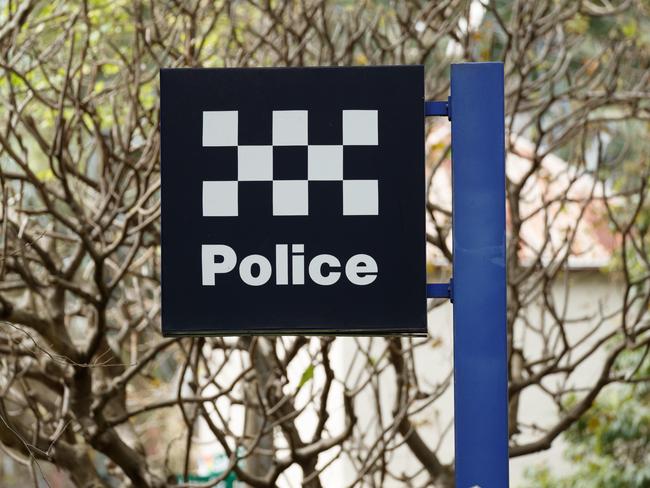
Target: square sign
x,y
293,201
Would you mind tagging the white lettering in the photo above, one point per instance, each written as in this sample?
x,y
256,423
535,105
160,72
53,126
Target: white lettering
x,y
316,269
298,264
282,264
208,265
256,270
246,270
361,269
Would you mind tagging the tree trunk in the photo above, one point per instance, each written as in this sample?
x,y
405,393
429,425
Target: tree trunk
x,y
259,463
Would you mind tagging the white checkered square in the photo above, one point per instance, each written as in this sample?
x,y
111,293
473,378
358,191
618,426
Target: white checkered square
x,y
360,128
325,163
290,127
290,197
255,163
220,128
220,199
360,197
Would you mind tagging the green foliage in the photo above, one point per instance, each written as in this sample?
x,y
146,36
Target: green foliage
x,y
307,375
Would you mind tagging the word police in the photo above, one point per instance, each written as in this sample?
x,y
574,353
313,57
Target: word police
x,y
256,270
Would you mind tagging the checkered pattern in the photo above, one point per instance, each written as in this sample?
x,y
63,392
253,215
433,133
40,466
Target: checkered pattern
x,y
290,197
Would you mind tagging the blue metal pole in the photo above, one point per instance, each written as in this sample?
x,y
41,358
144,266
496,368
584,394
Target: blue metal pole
x,y
479,248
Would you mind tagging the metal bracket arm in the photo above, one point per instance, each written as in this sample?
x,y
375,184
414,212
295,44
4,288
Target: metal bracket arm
x,y
441,290
438,108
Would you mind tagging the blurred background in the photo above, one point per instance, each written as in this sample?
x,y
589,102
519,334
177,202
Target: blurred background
x,y
91,394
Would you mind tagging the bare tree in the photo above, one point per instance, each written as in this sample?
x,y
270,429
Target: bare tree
x,y
84,369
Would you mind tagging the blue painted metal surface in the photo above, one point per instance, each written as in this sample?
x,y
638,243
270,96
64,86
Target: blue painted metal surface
x,y
479,249
436,108
439,290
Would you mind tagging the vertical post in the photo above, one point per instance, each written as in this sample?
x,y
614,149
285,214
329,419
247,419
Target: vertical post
x,y
479,244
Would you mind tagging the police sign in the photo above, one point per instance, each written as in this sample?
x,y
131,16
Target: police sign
x,y
293,201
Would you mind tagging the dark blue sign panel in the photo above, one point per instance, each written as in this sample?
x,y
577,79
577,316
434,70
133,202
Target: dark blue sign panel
x,y
293,201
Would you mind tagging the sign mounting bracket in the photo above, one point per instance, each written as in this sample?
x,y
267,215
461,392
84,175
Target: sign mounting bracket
x,y
435,108
441,290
